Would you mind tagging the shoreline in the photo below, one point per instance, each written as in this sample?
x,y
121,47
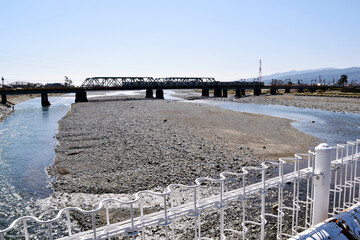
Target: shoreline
x,y
333,104
5,110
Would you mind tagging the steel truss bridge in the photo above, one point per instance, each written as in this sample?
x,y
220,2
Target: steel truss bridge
x,y
161,83
142,81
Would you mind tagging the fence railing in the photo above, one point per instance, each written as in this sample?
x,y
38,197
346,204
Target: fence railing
x,y
278,199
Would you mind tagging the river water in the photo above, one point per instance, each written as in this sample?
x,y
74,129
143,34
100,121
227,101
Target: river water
x,y
27,145
26,148
330,127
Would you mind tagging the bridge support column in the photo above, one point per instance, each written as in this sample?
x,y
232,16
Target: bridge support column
x,y
80,97
159,94
149,93
205,92
225,93
312,90
238,93
44,100
257,91
273,91
287,90
217,92
3,98
300,90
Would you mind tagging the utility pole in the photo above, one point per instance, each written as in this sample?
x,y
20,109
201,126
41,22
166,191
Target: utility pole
x,y
260,73
2,79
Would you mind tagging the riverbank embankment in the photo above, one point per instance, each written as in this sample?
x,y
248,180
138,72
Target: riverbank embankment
x,y
115,145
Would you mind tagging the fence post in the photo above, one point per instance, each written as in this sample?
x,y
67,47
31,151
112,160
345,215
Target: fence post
x,y
322,183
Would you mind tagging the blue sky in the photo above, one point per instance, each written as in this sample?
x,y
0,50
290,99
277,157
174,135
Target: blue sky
x,y
43,41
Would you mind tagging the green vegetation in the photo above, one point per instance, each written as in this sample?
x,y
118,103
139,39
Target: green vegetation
x,y
343,80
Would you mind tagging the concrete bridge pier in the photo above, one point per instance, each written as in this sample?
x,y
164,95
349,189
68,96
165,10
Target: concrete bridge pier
x,y
44,100
217,92
80,97
149,93
287,90
300,90
237,93
273,91
225,93
205,92
242,92
3,98
159,94
257,91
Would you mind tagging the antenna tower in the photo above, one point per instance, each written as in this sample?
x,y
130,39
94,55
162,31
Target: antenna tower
x,y
260,73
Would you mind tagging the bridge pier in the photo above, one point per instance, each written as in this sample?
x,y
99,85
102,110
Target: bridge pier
x,y
242,91
81,97
159,94
205,92
287,90
273,91
217,92
300,90
3,98
225,93
238,93
44,100
257,91
149,93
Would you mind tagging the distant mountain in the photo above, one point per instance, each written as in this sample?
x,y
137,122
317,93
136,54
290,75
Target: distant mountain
x,y
329,74
293,72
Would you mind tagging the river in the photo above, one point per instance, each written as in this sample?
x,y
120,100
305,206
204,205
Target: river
x,y
26,149
330,127
27,144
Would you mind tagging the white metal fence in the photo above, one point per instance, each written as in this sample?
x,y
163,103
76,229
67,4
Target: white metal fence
x,y
257,202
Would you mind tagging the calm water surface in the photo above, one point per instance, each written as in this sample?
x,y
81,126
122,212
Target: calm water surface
x,y
26,149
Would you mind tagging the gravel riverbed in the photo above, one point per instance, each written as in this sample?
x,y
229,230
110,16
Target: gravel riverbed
x,y
120,146
124,146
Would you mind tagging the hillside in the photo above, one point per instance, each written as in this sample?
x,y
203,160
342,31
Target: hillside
x,y
325,73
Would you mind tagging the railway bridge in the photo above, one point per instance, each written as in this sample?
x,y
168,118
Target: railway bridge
x,y
150,84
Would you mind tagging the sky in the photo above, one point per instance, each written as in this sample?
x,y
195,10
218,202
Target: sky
x,y
45,40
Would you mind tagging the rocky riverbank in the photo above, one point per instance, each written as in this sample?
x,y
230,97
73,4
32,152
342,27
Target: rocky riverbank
x,y
336,104
4,111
